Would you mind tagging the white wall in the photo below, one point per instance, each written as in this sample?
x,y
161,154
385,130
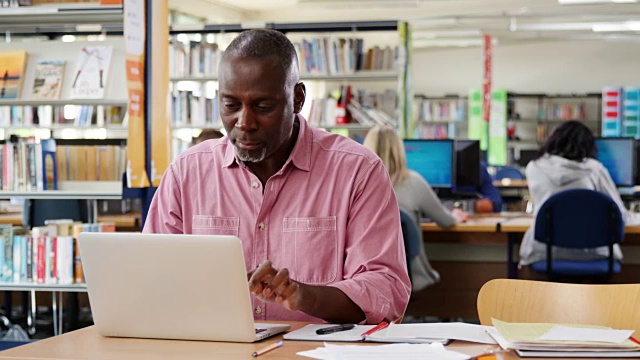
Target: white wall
x,y
548,67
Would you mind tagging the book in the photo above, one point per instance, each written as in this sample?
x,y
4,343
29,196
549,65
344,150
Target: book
x,y
91,72
48,79
570,340
12,66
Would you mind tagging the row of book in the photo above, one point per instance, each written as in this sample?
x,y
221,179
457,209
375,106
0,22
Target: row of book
x,y
335,56
433,131
441,110
30,164
193,58
320,55
187,109
577,111
72,115
89,78
362,107
45,255
90,162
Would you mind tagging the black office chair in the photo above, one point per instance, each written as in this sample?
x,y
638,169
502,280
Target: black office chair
x,y
411,237
36,212
579,219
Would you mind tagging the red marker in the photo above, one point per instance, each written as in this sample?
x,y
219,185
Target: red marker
x,y
378,327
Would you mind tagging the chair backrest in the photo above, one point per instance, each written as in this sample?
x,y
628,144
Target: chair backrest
x,y
508,172
579,218
410,234
515,300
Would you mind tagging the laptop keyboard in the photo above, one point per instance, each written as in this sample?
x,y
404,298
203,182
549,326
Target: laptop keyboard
x,y
258,331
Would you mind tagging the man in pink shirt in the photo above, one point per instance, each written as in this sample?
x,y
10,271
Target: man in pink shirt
x,y
316,212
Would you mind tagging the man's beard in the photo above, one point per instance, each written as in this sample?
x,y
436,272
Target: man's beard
x,y
251,156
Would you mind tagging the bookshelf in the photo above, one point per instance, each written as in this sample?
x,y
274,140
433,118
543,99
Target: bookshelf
x,y
531,117
36,30
439,117
193,77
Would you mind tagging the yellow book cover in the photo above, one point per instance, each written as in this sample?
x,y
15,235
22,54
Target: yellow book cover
x,y
12,67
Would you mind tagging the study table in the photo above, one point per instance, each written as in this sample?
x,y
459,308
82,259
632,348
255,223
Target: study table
x,y
504,228
88,344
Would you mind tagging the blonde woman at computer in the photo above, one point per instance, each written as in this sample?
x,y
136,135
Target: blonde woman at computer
x,y
567,160
414,195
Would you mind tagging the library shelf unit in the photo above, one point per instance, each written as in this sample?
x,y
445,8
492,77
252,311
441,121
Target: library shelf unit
x,y
42,26
535,115
321,79
438,117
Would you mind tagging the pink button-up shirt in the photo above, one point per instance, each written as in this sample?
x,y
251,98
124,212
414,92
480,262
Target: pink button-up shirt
x,y
329,215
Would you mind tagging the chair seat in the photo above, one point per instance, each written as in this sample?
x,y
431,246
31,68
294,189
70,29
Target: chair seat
x,y
578,268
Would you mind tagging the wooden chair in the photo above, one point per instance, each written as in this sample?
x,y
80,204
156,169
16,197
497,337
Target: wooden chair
x,y
615,305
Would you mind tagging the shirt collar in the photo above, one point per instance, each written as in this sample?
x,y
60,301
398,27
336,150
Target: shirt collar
x,y
300,155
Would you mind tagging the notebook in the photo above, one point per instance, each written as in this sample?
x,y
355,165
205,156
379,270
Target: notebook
x,y
187,287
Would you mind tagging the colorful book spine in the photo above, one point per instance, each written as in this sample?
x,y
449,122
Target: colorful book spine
x,y
631,112
611,112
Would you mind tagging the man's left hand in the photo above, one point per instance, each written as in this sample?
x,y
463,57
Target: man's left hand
x,y
272,285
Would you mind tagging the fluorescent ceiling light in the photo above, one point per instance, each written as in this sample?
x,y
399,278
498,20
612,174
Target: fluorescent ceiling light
x,y
422,43
585,2
436,22
623,26
446,33
576,26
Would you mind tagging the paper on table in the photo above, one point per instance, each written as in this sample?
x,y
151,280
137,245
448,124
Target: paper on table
x,y
570,333
458,331
393,351
308,332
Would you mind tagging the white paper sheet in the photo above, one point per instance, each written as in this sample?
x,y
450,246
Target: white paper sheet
x,y
379,352
568,333
457,331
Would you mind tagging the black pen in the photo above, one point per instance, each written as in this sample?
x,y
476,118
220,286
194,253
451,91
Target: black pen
x,y
335,328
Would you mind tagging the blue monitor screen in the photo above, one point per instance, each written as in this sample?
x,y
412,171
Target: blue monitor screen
x,y
433,159
617,155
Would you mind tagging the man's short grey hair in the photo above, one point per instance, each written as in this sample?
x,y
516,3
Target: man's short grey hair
x,y
262,43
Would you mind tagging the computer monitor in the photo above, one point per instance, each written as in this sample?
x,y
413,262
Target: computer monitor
x,y
433,159
526,156
468,158
618,155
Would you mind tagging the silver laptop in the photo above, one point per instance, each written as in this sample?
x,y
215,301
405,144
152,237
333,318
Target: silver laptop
x,y
189,287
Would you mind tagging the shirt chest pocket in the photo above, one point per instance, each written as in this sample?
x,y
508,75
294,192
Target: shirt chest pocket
x,y
315,246
215,225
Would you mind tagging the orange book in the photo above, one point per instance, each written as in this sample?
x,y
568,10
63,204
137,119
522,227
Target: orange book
x,y
78,275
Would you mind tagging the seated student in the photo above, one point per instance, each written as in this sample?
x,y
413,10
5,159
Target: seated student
x,y
491,200
567,161
206,134
415,196
316,212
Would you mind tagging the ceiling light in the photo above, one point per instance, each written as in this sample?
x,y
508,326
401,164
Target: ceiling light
x,y
585,2
422,43
623,26
445,34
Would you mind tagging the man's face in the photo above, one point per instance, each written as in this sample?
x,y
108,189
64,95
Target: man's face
x,y
256,106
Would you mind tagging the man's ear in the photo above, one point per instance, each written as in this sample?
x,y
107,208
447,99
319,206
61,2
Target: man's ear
x,y
299,95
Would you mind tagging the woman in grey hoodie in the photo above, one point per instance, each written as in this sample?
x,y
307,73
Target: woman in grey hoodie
x,y
567,161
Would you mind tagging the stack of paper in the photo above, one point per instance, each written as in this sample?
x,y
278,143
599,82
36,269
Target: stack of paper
x,y
557,340
400,333
392,351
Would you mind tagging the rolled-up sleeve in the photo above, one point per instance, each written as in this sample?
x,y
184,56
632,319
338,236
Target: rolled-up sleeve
x,y
375,269
165,212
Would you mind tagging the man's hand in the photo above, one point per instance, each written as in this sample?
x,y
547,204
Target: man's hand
x,y
272,285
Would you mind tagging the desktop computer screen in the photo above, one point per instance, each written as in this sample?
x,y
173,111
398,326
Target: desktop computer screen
x,y
618,156
467,163
526,155
433,159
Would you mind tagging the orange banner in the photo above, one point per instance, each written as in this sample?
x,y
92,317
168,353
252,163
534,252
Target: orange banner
x,y
134,34
159,111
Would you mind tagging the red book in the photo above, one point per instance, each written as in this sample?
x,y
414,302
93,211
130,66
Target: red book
x,y
41,261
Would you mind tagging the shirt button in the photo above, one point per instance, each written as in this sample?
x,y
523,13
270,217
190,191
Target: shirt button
x,y
255,185
258,310
261,226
